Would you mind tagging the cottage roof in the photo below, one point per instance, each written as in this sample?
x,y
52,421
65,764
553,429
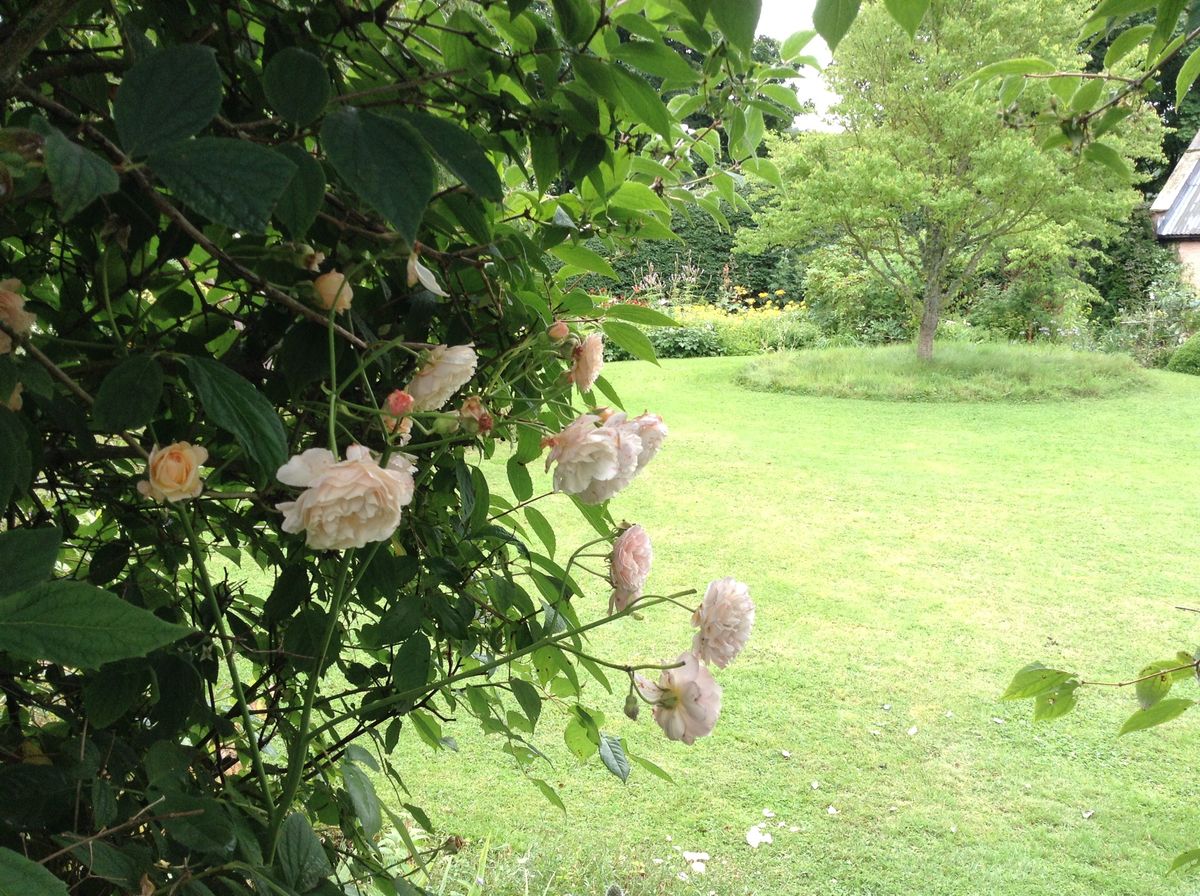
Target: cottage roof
x,y
1177,207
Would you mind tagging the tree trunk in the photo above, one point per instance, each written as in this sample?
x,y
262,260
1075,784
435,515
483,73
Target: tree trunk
x,y
929,320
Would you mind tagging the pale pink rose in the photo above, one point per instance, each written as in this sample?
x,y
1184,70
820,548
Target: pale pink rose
x,y
628,446
399,403
345,504
558,331
446,370
599,454
629,566
724,620
474,417
173,472
653,432
418,273
15,402
13,314
333,292
588,359
687,700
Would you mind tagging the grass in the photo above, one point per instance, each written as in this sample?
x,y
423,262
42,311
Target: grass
x,y
958,372
906,559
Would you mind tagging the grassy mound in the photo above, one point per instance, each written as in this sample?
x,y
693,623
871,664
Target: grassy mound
x,y
958,372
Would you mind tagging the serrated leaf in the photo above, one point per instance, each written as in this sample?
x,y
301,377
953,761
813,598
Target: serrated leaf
x,y
129,395
167,96
737,20
20,876
300,856
297,207
764,169
541,527
27,557
833,18
237,407
580,740
385,162
651,768
631,339
550,794
76,624
1034,679
231,182
456,148
519,480
1160,712
15,471
78,176
297,85
410,668
363,798
1087,95
612,754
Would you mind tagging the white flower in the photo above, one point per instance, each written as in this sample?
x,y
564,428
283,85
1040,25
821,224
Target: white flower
x,y
598,456
173,472
446,370
653,432
687,700
418,273
724,619
345,504
588,358
628,446
630,565
13,313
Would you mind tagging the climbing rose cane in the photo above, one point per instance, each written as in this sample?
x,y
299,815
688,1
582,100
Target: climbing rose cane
x,y
724,618
687,700
630,565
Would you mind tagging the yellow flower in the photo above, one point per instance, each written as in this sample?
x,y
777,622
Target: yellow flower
x,y
781,292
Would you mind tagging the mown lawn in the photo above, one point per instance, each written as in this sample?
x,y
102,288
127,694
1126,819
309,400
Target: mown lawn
x,y
906,559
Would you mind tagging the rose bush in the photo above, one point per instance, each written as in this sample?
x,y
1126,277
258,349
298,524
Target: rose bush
x,y
293,308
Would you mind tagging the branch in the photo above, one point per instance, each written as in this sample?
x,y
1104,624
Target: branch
x,y
31,29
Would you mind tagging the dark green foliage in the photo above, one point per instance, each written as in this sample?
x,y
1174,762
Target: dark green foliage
x,y
1186,358
1129,267
697,341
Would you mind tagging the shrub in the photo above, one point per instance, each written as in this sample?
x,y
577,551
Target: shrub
x,y
1186,358
847,300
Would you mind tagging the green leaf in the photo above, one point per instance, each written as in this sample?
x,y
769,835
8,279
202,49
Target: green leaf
x,y
833,18
363,798
908,13
576,18
541,526
642,100
231,182
297,85
1185,861
1153,687
1165,19
168,95
793,45
237,407
385,162
300,856
550,794
1034,679
582,258
579,739
640,314
737,20
1125,43
651,768
199,823
612,754
1055,703
76,624
410,668
27,557
129,395
519,480
1087,95
78,177
15,469
1006,67
783,95
631,339
655,58
529,697
297,208
457,149
1108,157
21,877
1187,76
1162,711
763,169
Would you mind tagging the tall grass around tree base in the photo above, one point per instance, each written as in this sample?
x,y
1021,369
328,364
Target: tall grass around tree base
x,y
957,372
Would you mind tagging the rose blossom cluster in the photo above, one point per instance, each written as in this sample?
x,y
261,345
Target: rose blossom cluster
x,y
599,454
686,698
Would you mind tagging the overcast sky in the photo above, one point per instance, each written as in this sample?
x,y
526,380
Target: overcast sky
x,y
782,18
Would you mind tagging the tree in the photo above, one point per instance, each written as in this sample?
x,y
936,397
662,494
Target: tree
x,y
275,292
928,185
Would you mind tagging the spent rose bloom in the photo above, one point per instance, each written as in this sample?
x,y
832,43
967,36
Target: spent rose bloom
x,y
173,472
15,402
653,432
629,566
446,370
418,273
333,292
687,700
558,331
724,620
309,258
588,359
474,417
13,313
345,504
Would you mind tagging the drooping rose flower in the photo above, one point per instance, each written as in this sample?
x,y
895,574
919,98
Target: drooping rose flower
x,y
629,566
724,620
474,417
446,370
333,292
418,273
13,314
173,472
588,358
345,504
653,432
687,700
15,402
597,455
558,331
